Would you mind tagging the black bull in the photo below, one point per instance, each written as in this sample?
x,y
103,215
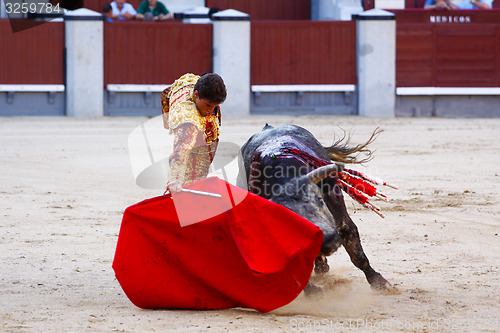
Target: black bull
x,y
275,164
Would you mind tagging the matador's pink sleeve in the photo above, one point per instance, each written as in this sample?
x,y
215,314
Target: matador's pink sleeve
x,y
185,139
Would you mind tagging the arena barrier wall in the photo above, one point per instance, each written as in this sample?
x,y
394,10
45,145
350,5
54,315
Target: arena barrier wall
x,y
447,64
323,57
141,59
32,70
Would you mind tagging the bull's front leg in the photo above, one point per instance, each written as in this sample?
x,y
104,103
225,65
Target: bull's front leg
x,y
352,243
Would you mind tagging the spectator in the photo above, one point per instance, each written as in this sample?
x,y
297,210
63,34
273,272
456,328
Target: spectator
x,y
157,10
475,4
439,4
106,11
121,10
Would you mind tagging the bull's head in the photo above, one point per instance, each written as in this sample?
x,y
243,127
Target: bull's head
x,y
303,196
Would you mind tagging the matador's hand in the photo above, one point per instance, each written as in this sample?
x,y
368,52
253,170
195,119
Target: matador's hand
x,y
174,187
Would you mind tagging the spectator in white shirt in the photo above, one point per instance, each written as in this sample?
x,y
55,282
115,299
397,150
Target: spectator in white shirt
x,y
121,10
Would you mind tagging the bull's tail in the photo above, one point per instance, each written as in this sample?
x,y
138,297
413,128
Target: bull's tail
x,y
340,151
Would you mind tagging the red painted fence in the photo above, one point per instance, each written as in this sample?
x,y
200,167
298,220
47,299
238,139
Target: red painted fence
x,y
448,48
155,53
32,56
303,52
434,48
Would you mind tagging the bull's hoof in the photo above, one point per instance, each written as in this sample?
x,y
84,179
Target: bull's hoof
x,y
321,266
312,290
378,283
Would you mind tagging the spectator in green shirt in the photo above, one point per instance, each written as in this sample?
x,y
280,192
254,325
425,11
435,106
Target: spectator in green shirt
x,y
155,8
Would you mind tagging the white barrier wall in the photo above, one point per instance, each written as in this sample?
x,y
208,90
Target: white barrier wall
x,y
376,59
84,63
231,59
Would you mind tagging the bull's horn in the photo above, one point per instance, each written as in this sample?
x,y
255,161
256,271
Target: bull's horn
x,y
325,171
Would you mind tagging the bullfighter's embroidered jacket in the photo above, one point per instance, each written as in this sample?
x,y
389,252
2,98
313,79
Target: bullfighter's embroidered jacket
x,y
196,137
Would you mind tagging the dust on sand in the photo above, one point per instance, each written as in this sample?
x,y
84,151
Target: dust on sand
x,y
66,182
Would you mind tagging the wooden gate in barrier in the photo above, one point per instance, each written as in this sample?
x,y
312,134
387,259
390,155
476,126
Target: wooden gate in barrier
x,y
303,52
448,48
155,53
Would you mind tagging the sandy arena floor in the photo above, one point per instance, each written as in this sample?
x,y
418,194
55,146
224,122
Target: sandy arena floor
x,y
64,184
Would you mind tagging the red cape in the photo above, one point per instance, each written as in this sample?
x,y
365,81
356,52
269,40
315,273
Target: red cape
x,y
196,252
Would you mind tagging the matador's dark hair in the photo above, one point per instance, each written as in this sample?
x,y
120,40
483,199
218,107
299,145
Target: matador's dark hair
x,y
211,86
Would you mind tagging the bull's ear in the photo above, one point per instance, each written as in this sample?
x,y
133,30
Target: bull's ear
x,y
325,171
